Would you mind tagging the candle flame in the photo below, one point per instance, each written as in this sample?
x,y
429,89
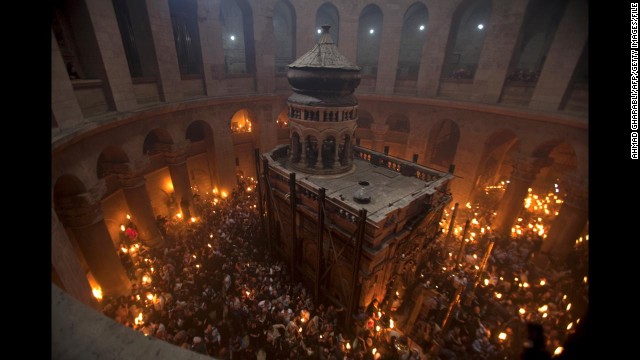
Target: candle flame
x,y
299,329
522,311
138,319
122,228
569,307
498,295
348,345
209,245
502,336
97,293
391,324
377,327
486,282
193,219
542,282
543,308
150,296
128,217
570,326
558,350
179,215
374,351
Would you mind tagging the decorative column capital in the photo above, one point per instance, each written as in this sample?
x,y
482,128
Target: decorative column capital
x,y
526,167
175,154
82,209
132,173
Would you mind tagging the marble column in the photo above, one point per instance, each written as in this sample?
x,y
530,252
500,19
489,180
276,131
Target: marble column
x,y
176,158
571,220
82,214
525,170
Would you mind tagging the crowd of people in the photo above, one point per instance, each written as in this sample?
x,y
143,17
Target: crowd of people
x,y
499,309
215,289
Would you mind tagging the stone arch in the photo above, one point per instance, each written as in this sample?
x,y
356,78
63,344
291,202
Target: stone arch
x,y
541,21
443,143
201,165
413,35
369,36
564,162
284,32
466,39
109,159
328,14
492,162
236,18
154,141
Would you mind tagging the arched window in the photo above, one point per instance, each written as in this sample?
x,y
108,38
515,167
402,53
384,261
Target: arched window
x,y
369,34
241,122
414,30
237,37
328,15
538,30
470,21
184,15
284,31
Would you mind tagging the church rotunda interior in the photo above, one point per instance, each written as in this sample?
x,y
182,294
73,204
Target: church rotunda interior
x,y
169,233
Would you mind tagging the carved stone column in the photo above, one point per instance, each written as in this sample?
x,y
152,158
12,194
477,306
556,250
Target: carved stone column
x,y
571,220
176,157
525,170
83,215
135,193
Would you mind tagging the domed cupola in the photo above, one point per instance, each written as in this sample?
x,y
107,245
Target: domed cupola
x,y
322,110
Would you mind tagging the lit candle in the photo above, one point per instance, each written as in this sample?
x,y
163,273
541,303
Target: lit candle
x,y
348,346
522,311
377,327
502,336
542,282
150,296
374,351
544,316
209,245
569,307
498,295
299,329
543,308
97,293
558,350
179,215
570,326
128,217
122,228
391,324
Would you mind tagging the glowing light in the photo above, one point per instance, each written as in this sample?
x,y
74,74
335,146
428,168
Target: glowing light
x,y
486,282
475,256
97,293
522,311
543,308
197,266
193,219
569,307
151,269
319,31
391,324
128,217
247,292
124,249
480,26
194,256
570,326
146,279
249,188
232,37
564,297
371,31
542,282
137,297
138,319
584,279
558,350
525,285
299,329
224,194
544,316
374,351
214,191
502,336
515,279
379,314
421,27
498,295
377,327
209,245
397,293
150,296
122,228
348,345
179,215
